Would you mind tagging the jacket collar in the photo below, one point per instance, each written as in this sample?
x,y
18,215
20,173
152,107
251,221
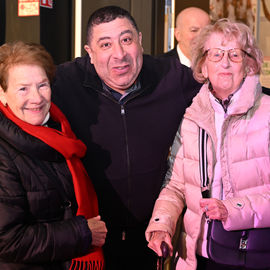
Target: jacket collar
x,y
25,143
203,114
201,109
91,79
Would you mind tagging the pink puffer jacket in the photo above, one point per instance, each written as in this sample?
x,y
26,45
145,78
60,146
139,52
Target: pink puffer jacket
x,y
245,168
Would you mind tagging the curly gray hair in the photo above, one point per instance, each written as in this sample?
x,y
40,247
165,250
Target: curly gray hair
x,y
231,30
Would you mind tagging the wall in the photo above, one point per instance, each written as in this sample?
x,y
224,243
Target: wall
x,y
55,28
2,22
20,28
56,31
52,28
181,4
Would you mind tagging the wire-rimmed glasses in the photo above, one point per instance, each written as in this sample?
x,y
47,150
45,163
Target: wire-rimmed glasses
x,y
235,55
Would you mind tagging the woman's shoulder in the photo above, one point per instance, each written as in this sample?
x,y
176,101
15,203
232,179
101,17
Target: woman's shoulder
x,y
262,108
15,141
265,100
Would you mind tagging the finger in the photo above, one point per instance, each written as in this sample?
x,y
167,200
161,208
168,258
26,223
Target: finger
x,y
169,243
217,214
153,246
97,217
204,202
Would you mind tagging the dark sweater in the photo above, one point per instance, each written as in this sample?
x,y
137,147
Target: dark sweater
x,y
128,144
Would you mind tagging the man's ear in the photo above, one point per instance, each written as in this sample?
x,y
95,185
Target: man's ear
x,y
177,34
140,40
3,96
89,51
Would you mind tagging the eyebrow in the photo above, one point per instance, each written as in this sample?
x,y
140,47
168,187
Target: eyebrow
x,y
26,83
122,33
194,27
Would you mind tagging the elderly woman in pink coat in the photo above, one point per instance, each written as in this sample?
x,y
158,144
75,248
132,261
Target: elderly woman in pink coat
x,y
221,149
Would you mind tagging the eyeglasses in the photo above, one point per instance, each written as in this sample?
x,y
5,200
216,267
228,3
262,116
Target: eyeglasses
x,y
235,55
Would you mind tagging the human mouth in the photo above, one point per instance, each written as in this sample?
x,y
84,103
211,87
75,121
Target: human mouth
x,y
225,74
121,69
34,109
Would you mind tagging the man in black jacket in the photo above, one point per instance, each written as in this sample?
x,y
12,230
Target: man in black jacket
x,y
189,23
126,107
266,90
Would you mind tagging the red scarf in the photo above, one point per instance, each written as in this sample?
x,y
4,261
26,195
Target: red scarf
x,y
72,149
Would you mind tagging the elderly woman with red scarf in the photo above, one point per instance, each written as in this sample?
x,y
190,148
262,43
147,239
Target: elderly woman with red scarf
x,y
48,206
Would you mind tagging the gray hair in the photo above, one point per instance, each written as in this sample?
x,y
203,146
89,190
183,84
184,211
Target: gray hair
x,y
231,30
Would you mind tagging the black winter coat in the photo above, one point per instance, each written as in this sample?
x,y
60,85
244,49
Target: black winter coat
x,y
127,142
171,53
33,232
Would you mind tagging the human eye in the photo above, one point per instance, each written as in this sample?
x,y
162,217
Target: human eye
x,y
215,54
126,40
194,29
105,45
235,54
44,85
22,89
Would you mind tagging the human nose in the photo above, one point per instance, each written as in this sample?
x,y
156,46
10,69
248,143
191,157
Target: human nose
x,y
225,59
119,51
36,96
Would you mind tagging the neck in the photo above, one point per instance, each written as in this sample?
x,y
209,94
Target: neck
x,y
223,95
185,53
136,85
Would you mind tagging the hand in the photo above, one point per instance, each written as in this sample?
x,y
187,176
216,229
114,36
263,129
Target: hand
x,y
156,238
98,229
214,209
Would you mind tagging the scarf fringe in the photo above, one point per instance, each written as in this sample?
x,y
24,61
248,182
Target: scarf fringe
x,y
84,265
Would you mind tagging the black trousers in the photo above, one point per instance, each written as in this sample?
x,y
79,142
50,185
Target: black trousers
x,y
207,264
128,251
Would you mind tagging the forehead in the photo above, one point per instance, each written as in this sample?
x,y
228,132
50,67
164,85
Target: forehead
x,y
194,19
112,29
23,72
218,40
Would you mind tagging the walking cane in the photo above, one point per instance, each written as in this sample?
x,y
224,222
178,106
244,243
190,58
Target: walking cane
x,y
165,252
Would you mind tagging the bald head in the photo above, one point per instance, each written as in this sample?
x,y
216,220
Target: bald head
x,y
189,23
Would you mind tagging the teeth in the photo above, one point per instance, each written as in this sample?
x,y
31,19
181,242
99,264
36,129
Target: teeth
x,y
34,109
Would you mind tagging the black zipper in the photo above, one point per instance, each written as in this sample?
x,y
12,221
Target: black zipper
x,y
123,115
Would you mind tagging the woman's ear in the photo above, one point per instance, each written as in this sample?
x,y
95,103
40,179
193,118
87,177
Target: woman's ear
x,y
3,96
250,67
204,71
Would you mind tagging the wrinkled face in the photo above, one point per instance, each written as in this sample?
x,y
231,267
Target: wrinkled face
x,y
225,75
189,27
28,93
116,52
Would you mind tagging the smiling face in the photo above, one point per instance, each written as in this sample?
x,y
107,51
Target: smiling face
x,y
225,75
116,52
28,93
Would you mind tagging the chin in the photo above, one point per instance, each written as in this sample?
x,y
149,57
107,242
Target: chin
x,y
34,122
